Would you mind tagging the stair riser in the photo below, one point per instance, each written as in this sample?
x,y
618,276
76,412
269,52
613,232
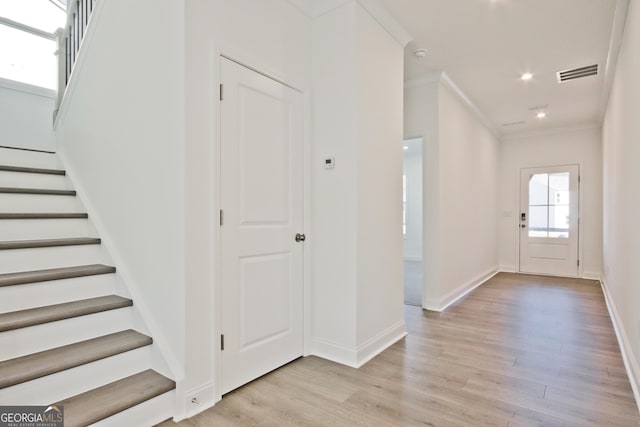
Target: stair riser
x,y
31,159
151,412
39,203
33,180
29,229
14,260
14,298
33,339
56,387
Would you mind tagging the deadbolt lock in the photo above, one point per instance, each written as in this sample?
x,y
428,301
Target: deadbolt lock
x,y
300,237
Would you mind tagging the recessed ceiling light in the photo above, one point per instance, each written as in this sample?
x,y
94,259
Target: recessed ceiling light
x,y
541,115
405,147
420,53
526,76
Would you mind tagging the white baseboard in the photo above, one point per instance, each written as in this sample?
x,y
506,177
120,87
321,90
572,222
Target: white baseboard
x,y
196,400
630,361
507,269
376,345
356,357
453,296
590,275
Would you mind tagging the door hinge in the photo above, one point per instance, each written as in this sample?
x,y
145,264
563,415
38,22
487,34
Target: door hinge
x,y
578,263
579,179
222,342
221,216
221,92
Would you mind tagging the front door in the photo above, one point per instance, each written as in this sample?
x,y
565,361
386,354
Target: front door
x,y
262,211
549,220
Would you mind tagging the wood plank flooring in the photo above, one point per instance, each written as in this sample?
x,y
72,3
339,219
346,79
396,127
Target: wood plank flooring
x,y
521,350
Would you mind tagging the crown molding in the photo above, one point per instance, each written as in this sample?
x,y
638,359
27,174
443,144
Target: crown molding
x,y
615,42
317,8
580,127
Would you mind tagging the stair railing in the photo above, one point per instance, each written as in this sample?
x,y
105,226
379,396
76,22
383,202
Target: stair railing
x,y
70,39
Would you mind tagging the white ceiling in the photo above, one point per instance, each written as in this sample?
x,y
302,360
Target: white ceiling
x,y
485,45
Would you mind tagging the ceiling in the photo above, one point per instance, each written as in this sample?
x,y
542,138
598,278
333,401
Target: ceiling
x,y
484,46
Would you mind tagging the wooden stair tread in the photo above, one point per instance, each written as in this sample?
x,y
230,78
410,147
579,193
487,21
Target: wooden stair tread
x,y
43,215
23,277
36,365
52,313
8,168
103,402
51,192
47,243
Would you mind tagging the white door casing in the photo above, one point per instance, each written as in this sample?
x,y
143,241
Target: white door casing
x,y
549,220
261,197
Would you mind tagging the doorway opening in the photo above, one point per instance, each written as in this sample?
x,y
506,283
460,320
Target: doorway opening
x,y
412,220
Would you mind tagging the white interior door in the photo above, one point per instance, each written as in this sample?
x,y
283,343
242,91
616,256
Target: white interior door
x,y
262,211
549,220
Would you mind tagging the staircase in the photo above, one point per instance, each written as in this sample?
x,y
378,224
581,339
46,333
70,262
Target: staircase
x,y
69,333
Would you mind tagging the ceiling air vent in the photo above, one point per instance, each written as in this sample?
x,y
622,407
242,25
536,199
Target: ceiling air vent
x,y
577,73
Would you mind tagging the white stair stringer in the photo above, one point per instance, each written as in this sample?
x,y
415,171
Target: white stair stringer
x,y
55,387
33,172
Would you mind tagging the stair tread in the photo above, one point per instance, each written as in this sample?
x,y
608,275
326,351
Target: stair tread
x,y
52,192
43,215
46,243
23,277
23,169
36,365
103,402
51,313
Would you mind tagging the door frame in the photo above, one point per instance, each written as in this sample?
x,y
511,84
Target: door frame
x,y
516,222
241,57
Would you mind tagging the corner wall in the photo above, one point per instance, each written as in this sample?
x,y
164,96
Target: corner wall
x,y
562,147
621,198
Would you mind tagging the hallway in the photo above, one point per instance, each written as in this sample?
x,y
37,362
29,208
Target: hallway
x,y
518,351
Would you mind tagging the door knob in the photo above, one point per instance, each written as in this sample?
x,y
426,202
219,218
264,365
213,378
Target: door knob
x,y
300,237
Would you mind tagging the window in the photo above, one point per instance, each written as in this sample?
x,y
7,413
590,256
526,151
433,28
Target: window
x,y
549,205
27,46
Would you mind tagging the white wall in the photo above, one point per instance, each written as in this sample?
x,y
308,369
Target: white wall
x,y
26,116
412,167
356,228
460,177
621,198
569,146
121,137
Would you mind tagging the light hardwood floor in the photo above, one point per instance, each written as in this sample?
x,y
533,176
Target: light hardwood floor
x,y
519,351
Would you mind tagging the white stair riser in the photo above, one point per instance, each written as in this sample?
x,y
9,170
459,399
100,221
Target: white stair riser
x,y
39,203
59,386
29,229
148,413
15,260
31,159
33,180
33,339
20,297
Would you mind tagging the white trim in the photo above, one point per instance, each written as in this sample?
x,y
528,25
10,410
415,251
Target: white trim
x,y
507,269
85,48
334,352
629,359
27,88
379,343
513,137
205,395
615,42
455,89
27,28
443,303
590,275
